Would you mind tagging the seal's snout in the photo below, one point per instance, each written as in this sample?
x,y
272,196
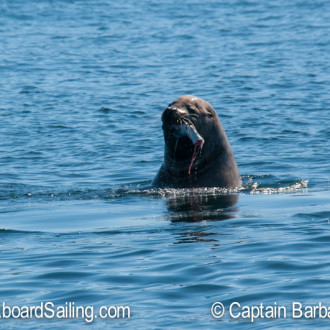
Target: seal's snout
x,y
171,116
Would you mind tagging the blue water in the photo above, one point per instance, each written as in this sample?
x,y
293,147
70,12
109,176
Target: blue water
x,y
82,88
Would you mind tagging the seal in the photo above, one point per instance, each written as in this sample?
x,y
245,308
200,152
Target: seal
x,y
197,152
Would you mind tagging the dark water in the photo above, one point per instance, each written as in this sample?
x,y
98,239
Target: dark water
x,y
83,85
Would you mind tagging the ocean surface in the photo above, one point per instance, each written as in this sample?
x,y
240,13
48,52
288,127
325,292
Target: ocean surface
x,y
82,87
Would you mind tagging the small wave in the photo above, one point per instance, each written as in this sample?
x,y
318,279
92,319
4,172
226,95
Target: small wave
x,y
16,193
251,187
297,186
12,231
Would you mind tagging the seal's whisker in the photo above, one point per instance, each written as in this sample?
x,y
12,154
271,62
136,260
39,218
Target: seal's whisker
x,y
187,121
190,115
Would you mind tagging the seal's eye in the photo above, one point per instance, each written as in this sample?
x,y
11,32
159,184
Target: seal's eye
x,y
191,109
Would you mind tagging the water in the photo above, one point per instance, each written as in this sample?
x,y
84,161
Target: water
x,y
83,85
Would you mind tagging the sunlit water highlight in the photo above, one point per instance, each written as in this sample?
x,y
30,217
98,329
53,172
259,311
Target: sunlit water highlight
x,y
83,86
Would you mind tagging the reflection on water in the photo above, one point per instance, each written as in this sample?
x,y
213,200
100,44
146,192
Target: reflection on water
x,y
199,208
196,236
190,208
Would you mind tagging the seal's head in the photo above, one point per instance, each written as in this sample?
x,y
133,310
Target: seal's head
x,y
194,143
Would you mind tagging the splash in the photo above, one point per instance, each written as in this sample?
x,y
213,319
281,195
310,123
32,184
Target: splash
x,y
302,184
21,194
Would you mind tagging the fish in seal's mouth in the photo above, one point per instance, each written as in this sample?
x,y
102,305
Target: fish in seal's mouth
x,y
182,138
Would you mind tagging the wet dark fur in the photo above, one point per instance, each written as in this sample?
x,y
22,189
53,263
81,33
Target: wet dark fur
x,y
215,165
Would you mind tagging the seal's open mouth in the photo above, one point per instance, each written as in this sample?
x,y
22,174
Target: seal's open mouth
x,y
189,130
188,142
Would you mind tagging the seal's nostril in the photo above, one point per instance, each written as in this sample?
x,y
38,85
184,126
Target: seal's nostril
x,y
171,116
